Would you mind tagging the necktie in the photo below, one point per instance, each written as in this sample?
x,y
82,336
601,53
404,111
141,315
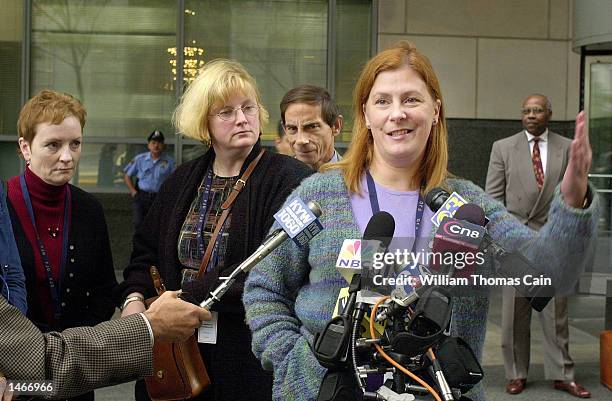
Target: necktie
x,y
537,164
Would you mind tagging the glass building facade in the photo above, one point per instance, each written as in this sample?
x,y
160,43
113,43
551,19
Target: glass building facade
x,y
120,58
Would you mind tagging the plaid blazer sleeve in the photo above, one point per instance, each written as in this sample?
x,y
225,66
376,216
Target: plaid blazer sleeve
x,y
77,360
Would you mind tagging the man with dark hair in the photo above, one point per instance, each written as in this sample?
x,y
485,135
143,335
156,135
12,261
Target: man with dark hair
x,y
151,168
312,121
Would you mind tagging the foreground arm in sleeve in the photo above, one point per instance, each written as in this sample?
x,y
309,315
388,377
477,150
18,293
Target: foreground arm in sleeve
x,y
278,339
559,248
80,359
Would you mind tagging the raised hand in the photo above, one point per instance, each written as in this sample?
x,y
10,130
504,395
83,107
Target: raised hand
x,y
575,179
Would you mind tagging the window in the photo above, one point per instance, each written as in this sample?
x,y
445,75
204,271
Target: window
x,y
120,58
11,28
112,55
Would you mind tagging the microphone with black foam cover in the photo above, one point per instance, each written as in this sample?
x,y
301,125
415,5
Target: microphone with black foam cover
x,y
381,227
377,236
511,265
469,254
436,198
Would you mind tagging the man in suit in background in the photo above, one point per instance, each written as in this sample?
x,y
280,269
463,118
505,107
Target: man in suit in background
x,y
524,171
80,359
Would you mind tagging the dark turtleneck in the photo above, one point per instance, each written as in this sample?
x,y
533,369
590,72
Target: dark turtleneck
x,y
48,204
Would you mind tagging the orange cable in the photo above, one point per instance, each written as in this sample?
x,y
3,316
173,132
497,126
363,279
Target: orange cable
x,y
432,356
391,360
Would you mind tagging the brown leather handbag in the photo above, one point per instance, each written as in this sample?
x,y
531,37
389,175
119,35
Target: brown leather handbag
x,y
179,372
178,369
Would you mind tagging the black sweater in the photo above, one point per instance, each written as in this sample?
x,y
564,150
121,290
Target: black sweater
x,y
89,276
234,371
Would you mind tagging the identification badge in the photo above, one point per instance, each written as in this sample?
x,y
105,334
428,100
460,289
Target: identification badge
x,y
207,333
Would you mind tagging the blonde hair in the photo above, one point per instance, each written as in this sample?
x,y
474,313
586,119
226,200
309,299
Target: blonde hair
x,y
50,107
433,169
216,82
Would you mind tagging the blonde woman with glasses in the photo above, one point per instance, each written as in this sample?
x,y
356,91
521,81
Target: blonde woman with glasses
x,y
223,109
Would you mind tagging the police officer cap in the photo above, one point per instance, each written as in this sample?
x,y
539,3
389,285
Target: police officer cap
x,y
156,136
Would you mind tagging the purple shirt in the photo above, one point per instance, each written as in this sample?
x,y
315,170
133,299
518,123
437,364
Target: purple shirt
x,y
402,205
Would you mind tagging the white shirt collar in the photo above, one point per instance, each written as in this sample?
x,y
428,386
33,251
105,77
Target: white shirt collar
x,y
543,137
335,157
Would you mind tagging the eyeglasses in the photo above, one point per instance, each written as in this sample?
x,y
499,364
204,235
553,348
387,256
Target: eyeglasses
x,y
229,114
536,110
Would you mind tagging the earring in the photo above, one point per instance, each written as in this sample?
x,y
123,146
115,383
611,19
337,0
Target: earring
x,y
435,121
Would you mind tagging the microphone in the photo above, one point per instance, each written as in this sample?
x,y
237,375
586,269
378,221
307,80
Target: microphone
x,y
472,213
443,204
436,198
453,236
331,346
381,227
511,265
308,224
431,314
299,221
462,254
456,245
376,239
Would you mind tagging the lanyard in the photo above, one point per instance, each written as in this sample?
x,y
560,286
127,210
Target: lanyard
x,y
204,209
53,287
376,208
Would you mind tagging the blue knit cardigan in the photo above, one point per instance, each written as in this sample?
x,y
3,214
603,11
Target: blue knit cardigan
x,y
291,294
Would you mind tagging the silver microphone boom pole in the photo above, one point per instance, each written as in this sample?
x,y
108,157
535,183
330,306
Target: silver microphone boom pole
x,y
273,242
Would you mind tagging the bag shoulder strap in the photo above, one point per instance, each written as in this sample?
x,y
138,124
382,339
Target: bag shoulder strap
x,y
226,207
158,283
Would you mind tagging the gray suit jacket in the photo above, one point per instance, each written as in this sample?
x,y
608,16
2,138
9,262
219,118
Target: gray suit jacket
x,y
77,360
511,180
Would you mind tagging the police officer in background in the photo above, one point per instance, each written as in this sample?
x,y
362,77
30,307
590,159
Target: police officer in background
x,y
151,168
